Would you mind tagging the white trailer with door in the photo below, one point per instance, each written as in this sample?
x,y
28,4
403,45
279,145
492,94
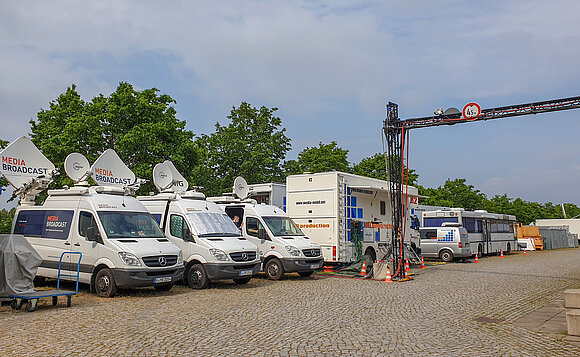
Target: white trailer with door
x,y
348,215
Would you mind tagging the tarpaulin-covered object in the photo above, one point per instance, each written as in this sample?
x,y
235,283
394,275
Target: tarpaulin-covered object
x,y
18,265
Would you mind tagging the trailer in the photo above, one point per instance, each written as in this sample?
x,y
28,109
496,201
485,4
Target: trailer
x,y
346,214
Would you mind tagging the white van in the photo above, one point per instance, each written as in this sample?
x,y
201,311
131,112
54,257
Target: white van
x,y
121,245
212,245
445,243
283,247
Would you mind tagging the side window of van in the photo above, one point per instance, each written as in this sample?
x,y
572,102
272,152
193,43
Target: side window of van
x,y
253,226
177,226
86,220
52,224
428,234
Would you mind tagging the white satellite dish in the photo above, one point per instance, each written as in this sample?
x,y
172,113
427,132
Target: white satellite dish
x,y
77,167
162,176
180,184
110,170
241,188
22,162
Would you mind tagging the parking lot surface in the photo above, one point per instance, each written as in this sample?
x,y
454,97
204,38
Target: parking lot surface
x,y
458,309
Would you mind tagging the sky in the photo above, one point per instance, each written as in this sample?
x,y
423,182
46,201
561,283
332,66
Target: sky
x,y
330,67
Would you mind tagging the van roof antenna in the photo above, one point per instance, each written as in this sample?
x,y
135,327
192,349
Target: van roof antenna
x,y
26,169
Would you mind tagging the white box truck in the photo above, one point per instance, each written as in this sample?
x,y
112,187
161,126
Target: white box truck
x,y
284,248
347,214
121,245
213,248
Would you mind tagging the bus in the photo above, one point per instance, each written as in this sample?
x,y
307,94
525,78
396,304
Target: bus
x,y
489,233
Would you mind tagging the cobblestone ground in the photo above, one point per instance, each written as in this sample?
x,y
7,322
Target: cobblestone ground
x,y
431,315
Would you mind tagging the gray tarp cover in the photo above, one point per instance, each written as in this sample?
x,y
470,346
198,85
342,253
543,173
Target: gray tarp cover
x,y
18,265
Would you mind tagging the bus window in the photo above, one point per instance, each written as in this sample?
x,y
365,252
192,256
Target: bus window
x,y
478,228
437,221
469,224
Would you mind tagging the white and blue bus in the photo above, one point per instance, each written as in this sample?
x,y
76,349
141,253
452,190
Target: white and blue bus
x,y
489,233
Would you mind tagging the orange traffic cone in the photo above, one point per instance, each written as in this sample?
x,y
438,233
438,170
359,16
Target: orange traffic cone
x,y
525,252
363,271
423,263
501,254
407,268
476,258
388,278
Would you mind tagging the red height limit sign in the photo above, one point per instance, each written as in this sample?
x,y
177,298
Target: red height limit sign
x,y
471,111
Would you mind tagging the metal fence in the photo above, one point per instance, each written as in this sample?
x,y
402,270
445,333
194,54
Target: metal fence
x,y
557,237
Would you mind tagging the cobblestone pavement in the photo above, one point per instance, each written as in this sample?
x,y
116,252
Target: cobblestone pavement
x,y
435,314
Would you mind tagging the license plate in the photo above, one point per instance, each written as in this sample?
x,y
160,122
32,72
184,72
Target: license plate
x,y
314,266
164,279
246,272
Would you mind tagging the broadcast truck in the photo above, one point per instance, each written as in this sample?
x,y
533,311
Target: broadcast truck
x,y
347,214
121,245
212,246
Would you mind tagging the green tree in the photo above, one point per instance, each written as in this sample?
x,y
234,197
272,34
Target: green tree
x,y
141,126
321,158
253,145
455,193
6,217
375,166
3,182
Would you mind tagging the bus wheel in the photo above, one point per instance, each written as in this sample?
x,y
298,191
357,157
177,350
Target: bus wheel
x,y
479,251
446,256
509,249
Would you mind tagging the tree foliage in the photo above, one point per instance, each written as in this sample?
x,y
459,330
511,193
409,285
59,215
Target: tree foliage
x,y
376,166
141,126
253,145
6,217
321,158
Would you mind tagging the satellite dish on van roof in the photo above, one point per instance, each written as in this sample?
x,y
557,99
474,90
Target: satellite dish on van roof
x,y
162,176
180,184
110,170
77,167
22,162
241,188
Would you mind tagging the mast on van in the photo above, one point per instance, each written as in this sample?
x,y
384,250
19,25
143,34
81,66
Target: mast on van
x,y
26,169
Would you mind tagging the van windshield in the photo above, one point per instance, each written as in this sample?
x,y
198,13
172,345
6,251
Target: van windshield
x,y
282,226
129,225
208,224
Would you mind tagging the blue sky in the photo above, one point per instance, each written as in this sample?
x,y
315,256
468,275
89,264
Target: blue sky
x,y
330,67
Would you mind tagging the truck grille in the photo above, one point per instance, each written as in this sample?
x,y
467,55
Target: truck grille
x,y
311,252
160,260
243,256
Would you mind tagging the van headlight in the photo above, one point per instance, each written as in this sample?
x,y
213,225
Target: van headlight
x,y
180,257
219,254
293,250
129,259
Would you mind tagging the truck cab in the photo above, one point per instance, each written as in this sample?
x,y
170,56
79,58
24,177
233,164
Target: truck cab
x,y
212,246
283,246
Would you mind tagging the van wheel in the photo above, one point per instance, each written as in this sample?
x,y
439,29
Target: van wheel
x,y
164,287
197,277
242,281
446,256
509,249
105,285
274,269
305,274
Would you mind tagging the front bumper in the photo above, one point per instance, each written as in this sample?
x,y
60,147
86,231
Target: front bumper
x,y
222,271
136,278
302,264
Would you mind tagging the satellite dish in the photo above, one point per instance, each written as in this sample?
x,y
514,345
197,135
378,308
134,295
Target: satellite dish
x,y
241,188
22,162
162,176
180,184
77,167
110,170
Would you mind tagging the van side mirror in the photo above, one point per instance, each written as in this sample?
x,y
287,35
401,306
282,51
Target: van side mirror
x,y
262,234
186,234
93,235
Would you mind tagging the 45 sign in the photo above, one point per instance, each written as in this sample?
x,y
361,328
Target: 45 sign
x,y
471,111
